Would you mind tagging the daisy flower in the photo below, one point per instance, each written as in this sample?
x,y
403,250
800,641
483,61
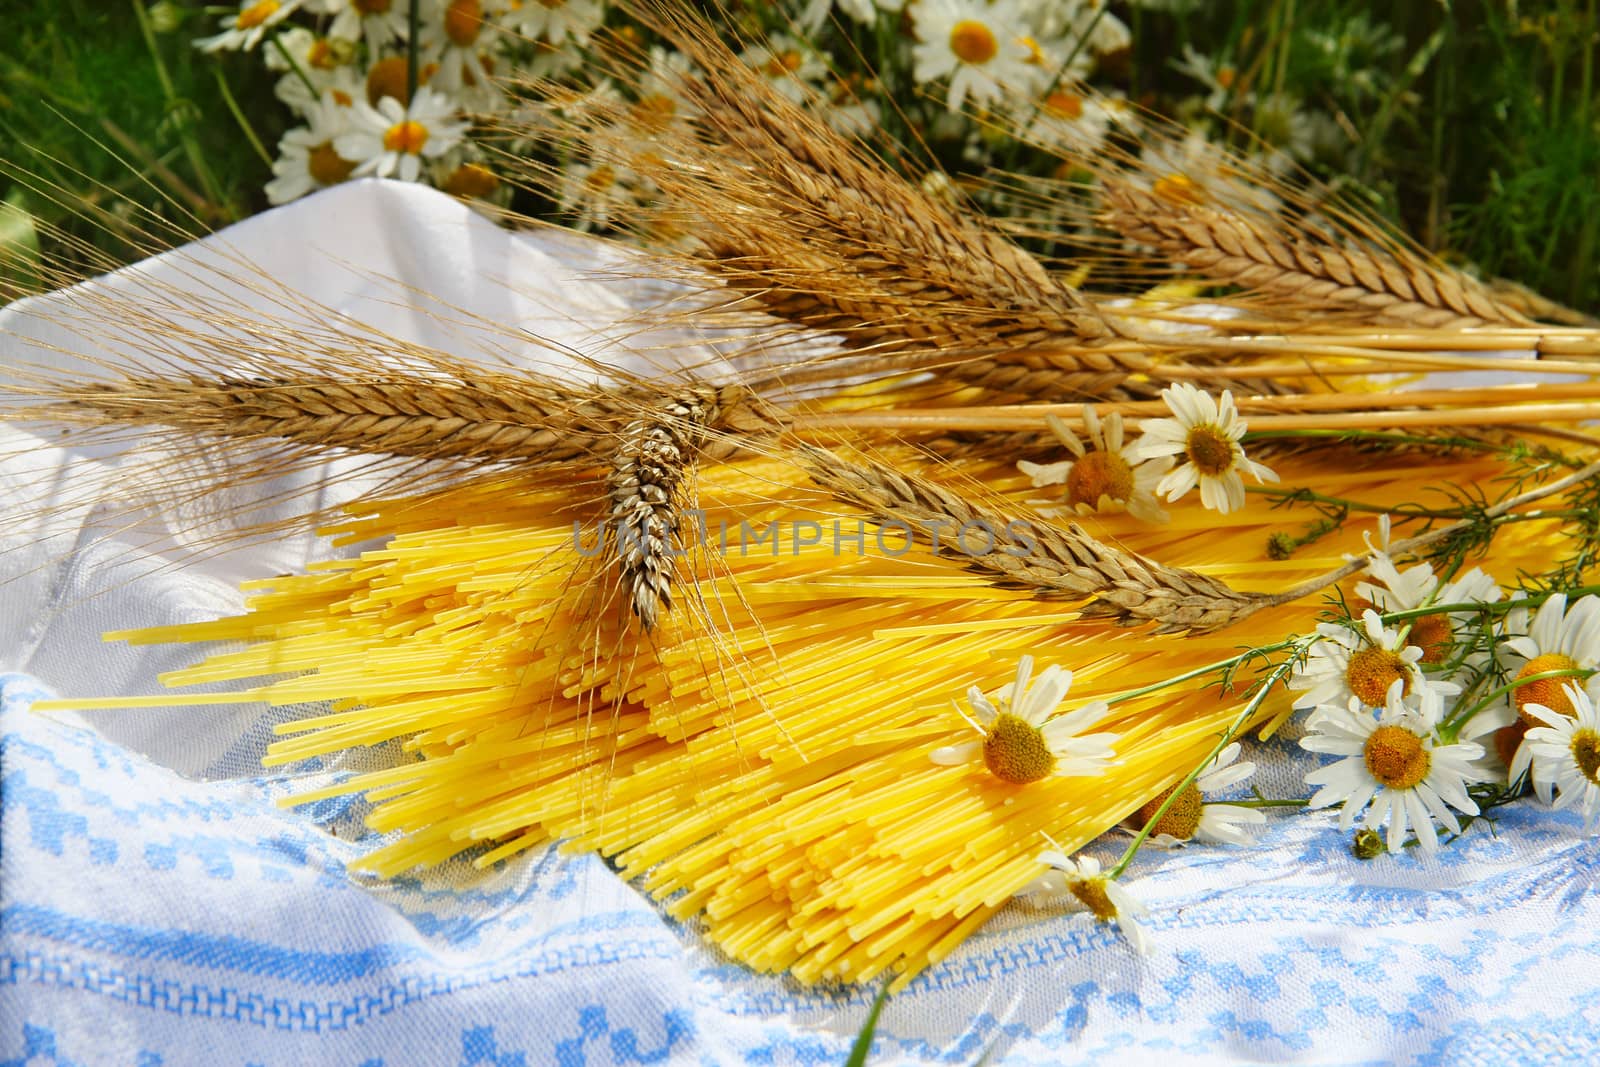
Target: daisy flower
x,y
390,139
554,21
1194,171
307,159
1216,73
245,29
344,84
458,40
1022,743
985,49
1417,587
1101,896
1394,763
1564,753
1365,664
377,21
1206,434
1070,120
816,12
660,100
1110,477
1554,639
595,192
1191,818
852,108
788,66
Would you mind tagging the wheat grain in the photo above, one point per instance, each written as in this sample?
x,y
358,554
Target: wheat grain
x,y
1046,560
646,485
1230,247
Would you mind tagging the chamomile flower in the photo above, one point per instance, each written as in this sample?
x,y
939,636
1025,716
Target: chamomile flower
x,y
1021,741
1110,477
1564,753
1216,72
660,101
1194,172
853,109
344,84
596,191
1099,895
245,29
788,65
1393,769
1069,118
459,40
1206,434
984,49
307,159
1365,663
1555,638
1191,817
554,21
394,140
1417,587
816,12
378,22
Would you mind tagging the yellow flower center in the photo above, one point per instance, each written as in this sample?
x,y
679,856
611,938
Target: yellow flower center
x,y
326,166
1091,893
1064,105
469,179
1396,758
1546,691
321,55
973,42
1179,189
1099,474
371,7
1372,671
1508,739
1226,77
1036,56
342,98
1433,634
600,178
1181,820
1210,450
655,112
462,21
256,14
1016,752
1586,753
406,137
781,66
388,78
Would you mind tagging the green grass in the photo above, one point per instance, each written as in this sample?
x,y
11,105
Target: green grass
x,y
96,106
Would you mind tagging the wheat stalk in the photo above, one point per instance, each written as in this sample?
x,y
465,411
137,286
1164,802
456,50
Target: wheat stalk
x,y
1019,554
1231,247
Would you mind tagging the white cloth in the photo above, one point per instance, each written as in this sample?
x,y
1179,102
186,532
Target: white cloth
x,y
156,907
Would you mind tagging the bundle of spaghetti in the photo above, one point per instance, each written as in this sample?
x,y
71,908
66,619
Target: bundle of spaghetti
x,y
761,759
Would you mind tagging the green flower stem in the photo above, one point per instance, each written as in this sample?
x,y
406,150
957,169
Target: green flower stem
x,y
1245,715
1450,729
413,31
238,115
299,72
191,146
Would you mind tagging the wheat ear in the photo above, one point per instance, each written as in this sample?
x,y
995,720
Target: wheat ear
x,y
1031,555
647,482
1230,247
496,418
